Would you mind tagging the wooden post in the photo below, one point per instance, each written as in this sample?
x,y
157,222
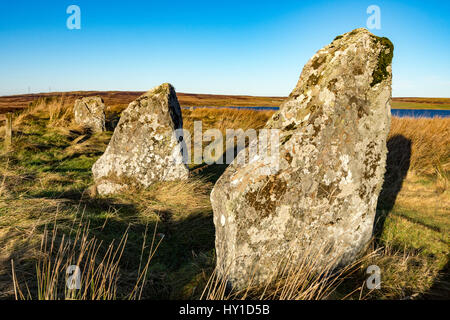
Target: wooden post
x,y
8,130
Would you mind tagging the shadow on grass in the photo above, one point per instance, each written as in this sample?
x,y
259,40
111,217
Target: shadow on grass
x,y
440,289
211,173
112,119
184,260
397,166
179,269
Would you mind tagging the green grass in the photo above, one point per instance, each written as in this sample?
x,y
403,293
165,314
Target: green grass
x,y
402,230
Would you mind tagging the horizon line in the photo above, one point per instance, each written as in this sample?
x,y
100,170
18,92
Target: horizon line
x,y
187,93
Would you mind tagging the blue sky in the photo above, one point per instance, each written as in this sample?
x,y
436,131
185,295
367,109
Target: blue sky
x,y
224,47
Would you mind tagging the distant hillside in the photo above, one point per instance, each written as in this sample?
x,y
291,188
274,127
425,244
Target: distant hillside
x,y
120,99
421,103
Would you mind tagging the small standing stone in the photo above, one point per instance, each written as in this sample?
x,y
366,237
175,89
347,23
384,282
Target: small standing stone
x,y
145,147
90,112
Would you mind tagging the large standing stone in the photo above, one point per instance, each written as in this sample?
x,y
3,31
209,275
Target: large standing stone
x,y
324,192
144,147
90,112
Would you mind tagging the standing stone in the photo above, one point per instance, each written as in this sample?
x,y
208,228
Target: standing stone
x,y
90,113
322,196
144,147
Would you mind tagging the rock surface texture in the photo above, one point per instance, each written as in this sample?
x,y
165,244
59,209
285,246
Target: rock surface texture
x,y
322,197
144,147
90,112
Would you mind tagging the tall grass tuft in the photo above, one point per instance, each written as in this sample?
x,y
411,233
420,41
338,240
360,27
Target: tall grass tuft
x,y
305,278
430,141
99,267
58,111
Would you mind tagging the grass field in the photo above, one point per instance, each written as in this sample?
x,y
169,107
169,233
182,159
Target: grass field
x,y
421,103
159,242
119,100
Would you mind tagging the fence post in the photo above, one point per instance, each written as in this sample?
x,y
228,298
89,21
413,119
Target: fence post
x,y
8,130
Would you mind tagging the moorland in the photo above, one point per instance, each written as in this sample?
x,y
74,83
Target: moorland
x,y
159,242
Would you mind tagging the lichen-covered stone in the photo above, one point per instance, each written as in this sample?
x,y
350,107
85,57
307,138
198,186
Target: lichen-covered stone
x,y
322,197
90,113
144,147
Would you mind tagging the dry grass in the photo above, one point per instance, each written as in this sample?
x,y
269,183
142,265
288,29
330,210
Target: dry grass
x,y
84,143
58,110
404,273
430,141
99,267
40,180
303,279
182,193
176,198
225,118
222,119
433,199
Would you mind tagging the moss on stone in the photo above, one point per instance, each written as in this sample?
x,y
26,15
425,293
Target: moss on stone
x,y
261,200
384,60
312,80
286,139
291,126
318,62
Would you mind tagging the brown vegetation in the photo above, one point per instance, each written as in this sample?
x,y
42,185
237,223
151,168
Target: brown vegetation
x,y
119,100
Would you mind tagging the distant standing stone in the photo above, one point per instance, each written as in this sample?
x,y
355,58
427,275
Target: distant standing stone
x,y
322,197
144,147
90,112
